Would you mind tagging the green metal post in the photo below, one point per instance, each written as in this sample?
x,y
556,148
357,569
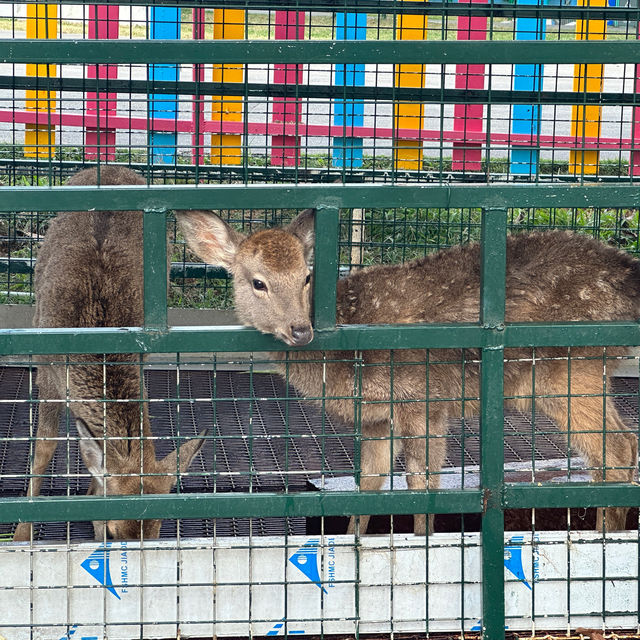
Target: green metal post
x,y
155,269
492,309
326,267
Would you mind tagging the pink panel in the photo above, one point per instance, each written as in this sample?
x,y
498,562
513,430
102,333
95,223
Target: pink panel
x,y
314,130
103,25
285,150
467,118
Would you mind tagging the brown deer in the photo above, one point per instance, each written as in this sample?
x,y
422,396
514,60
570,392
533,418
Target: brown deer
x,y
551,276
89,273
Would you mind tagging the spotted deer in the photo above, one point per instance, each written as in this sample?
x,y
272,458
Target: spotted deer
x,y
551,276
89,273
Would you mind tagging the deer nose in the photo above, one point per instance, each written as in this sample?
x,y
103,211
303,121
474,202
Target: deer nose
x,y
301,335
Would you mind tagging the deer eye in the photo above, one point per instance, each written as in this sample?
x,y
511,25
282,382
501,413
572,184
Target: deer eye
x,y
307,279
258,285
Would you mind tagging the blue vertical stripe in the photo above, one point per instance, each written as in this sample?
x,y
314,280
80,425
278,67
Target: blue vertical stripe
x,y
164,25
527,77
347,151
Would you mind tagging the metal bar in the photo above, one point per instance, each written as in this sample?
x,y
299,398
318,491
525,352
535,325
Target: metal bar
x,y
178,269
492,310
178,197
571,334
240,505
228,338
570,494
315,51
492,478
155,269
406,94
325,270
493,268
346,337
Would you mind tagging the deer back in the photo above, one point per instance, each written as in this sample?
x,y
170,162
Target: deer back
x,y
89,273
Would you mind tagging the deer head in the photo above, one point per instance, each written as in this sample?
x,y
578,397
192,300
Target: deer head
x,y
121,473
270,268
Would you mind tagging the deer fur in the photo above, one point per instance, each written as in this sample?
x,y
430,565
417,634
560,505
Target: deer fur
x,y
89,273
551,276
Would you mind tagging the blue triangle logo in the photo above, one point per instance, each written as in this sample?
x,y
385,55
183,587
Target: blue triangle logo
x,y
513,559
512,563
306,560
72,630
97,566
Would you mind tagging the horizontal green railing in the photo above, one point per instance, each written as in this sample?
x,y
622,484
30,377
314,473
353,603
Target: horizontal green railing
x,y
178,269
176,197
322,92
309,504
238,505
318,52
347,337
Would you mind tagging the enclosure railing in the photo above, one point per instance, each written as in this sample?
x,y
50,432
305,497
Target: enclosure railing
x,y
491,335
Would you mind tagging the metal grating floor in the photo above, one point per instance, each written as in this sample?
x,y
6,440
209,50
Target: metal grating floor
x,y
265,439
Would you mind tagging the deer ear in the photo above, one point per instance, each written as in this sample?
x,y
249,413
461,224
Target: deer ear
x,y
209,237
92,453
186,453
303,227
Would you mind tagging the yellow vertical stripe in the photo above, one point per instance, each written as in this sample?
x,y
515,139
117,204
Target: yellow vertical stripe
x,y
226,149
39,139
409,115
585,120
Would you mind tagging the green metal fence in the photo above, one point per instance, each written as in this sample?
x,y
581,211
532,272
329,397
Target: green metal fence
x,y
500,203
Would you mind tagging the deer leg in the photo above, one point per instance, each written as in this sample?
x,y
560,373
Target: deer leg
x,y
610,450
375,456
419,476
49,414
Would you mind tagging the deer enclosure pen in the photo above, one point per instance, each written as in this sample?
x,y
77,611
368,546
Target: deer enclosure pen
x,y
202,478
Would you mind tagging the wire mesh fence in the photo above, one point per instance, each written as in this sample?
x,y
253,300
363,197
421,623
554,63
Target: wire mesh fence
x,y
287,121
206,479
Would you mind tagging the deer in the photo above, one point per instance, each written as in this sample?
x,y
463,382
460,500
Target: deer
x,y
89,273
551,276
